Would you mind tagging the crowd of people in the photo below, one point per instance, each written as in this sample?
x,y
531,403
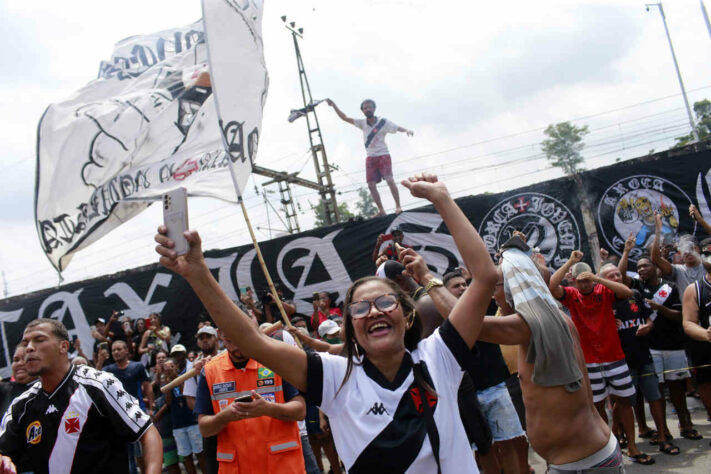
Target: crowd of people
x,y
409,373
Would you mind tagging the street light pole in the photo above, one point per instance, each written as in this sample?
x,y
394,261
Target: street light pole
x,y
706,16
676,66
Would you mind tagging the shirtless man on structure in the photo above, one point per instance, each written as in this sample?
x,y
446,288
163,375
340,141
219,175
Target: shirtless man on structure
x,y
377,164
563,427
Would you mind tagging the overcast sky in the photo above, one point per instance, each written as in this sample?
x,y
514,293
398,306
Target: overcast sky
x,y
477,82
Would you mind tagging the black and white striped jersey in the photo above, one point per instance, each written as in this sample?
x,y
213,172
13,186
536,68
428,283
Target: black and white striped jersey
x,y
379,425
83,426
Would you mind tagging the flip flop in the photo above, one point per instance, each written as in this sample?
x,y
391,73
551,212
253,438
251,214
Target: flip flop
x,y
643,459
649,434
668,448
691,434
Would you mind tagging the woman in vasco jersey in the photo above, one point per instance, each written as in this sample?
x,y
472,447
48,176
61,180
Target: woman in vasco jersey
x,y
392,402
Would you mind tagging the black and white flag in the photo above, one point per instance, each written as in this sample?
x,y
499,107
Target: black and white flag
x,y
298,113
146,125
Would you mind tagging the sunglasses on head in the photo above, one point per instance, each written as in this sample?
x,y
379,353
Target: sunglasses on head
x,y
361,309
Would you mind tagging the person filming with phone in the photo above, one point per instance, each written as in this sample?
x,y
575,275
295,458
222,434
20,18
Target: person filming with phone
x,y
252,411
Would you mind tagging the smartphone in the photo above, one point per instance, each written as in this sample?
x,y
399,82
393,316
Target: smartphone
x,y
175,218
243,290
315,296
247,399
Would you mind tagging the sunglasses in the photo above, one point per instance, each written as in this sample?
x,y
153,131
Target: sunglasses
x,y
361,309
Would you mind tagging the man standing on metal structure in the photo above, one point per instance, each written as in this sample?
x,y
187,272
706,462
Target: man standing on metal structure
x,y
377,164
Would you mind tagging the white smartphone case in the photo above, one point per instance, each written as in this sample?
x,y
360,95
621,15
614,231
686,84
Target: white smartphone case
x,y
175,218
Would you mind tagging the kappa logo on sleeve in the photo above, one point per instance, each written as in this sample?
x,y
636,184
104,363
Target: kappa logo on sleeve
x,y
33,432
224,387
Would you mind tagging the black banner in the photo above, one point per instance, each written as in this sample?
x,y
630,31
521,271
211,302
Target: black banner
x,y
625,197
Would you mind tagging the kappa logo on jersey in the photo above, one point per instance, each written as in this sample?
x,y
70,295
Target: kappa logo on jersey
x,y
264,373
377,409
628,207
71,423
224,387
415,394
51,409
33,433
265,382
547,223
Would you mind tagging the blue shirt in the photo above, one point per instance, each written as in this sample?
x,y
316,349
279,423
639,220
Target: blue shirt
x,y
131,377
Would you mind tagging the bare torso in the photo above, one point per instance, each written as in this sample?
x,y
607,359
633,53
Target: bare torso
x,y
562,426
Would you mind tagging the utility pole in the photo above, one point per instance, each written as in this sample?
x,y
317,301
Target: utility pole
x,y
706,17
318,151
676,66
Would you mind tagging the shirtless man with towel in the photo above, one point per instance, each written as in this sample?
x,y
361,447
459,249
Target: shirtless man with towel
x,y
563,425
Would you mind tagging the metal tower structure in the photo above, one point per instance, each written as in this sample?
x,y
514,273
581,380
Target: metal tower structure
x,y
318,151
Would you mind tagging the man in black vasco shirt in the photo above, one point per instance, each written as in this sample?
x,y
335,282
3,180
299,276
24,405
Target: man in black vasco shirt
x,y
72,413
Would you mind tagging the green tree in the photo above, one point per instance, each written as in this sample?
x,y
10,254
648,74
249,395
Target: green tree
x,y
343,213
563,146
702,110
365,207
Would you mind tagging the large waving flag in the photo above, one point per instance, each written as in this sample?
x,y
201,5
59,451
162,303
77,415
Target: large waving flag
x,y
146,125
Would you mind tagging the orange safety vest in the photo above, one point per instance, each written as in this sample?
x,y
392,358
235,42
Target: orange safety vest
x,y
255,445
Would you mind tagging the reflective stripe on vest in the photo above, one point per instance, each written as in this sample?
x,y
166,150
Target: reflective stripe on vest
x,y
225,456
246,393
281,447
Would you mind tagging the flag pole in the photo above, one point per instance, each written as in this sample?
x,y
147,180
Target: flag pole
x,y
272,289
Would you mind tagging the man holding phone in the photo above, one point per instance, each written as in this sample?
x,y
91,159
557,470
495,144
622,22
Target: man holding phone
x,y
252,411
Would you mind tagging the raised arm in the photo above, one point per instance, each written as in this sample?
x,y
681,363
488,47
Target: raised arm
x,y
286,360
624,260
468,314
509,330
657,258
557,277
696,215
690,313
620,290
340,114
405,130
440,298
315,344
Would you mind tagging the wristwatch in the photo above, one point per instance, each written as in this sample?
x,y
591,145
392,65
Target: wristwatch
x,y
433,282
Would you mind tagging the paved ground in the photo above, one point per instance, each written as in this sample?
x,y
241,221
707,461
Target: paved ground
x,y
695,457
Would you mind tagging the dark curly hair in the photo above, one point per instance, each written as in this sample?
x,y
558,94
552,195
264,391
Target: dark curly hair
x,y
413,334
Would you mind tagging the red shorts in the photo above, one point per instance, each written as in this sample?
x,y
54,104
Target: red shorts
x,y
377,168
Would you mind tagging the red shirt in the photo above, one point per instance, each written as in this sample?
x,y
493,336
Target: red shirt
x,y
595,321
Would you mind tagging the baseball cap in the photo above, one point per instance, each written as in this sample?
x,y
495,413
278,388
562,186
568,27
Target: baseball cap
x,y
390,269
396,230
178,348
327,328
207,330
579,268
101,320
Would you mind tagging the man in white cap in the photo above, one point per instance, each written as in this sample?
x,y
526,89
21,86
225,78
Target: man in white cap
x,y
330,332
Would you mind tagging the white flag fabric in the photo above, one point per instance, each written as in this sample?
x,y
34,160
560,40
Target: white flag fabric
x,y
239,77
146,125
